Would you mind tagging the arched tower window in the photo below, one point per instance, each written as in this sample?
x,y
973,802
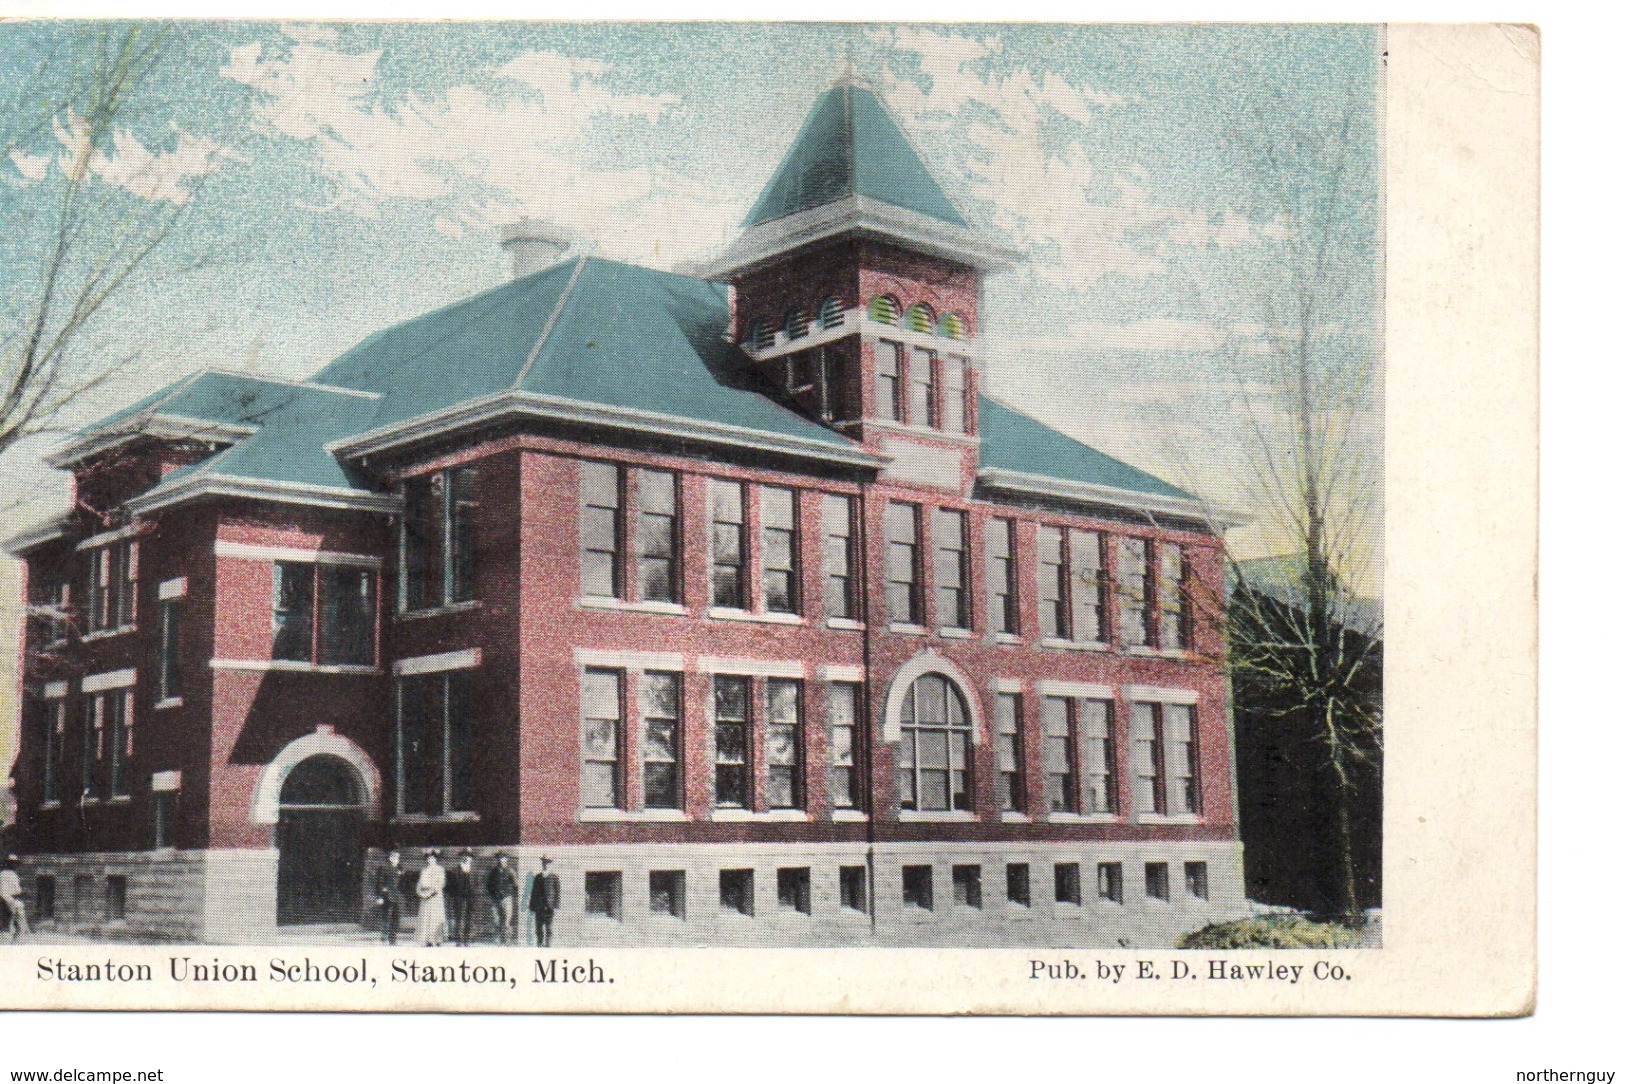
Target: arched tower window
x,y
933,756
831,313
950,326
758,337
884,309
795,324
921,318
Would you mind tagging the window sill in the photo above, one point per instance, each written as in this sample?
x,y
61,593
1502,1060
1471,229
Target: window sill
x,y
1015,818
105,634
439,611
782,815
1080,818
291,667
844,624
119,799
167,702
618,605
905,629
1074,645
46,807
1141,652
946,816
724,613
886,425
435,818
1006,638
54,645
954,633
848,816
624,816
1168,818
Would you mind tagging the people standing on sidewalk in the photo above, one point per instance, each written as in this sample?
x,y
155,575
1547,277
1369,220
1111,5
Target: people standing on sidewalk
x,y
431,900
502,889
11,894
544,902
386,887
460,898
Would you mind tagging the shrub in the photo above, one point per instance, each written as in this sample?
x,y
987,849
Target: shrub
x,y
1272,931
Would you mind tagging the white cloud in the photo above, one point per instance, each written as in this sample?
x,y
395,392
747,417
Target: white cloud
x,y
32,166
523,147
127,163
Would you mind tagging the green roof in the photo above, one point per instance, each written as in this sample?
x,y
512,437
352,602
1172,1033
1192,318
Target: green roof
x,y
851,146
1014,442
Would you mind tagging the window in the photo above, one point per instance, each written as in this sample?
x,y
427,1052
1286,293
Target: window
x,y
109,743
162,818
54,725
841,701
667,893
1002,611
917,887
782,744
1132,575
884,309
889,380
1196,880
118,891
921,318
1018,884
953,394
1156,880
795,890
757,337
1007,753
604,893
1165,765
831,313
967,886
922,388
434,744
855,889
1109,881
44,898
840,586
795,324
662,741
903,603
343,595
605,498
727,544
110,587
50,602
951,568
603,726
1067,884
1099,758
1060,743
732,703
779,544
437,539
736,890
1071,589
950,326
933,757
1173,628
169,649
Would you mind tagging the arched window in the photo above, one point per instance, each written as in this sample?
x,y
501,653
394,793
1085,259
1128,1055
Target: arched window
x,y
831,313
950,326
921,318
795,324
884,309
933,757
758,337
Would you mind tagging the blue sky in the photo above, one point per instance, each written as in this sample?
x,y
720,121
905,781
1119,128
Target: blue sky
x,y
339,178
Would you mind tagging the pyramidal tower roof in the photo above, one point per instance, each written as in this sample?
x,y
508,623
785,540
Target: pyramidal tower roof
x,y
851,146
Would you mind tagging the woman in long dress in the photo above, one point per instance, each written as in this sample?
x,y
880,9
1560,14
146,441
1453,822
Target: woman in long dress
x,y
431,900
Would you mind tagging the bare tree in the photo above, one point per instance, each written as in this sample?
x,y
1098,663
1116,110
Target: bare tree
x,y
89,237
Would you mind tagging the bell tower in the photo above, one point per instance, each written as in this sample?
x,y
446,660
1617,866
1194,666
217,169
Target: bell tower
x,y
856,287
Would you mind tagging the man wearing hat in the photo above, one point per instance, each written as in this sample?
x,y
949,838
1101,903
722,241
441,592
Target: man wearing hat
x,y
460,898
502,889
11,895
544,901
386,889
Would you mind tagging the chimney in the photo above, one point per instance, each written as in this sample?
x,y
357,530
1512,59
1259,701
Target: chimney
x,y
535,245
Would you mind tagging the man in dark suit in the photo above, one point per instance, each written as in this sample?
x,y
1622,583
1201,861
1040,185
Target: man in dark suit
x,y
460,898
544,901
386,890
502,889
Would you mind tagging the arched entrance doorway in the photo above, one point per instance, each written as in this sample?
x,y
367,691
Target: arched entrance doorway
x,y
318,833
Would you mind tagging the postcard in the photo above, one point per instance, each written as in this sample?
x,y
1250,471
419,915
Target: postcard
x,y
941,518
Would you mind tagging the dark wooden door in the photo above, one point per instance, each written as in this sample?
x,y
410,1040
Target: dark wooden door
x,y
320,860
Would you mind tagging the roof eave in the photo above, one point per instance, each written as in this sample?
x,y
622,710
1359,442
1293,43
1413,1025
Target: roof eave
x,y
32,538
154,426
517,404
200,486
767,241
1009,481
